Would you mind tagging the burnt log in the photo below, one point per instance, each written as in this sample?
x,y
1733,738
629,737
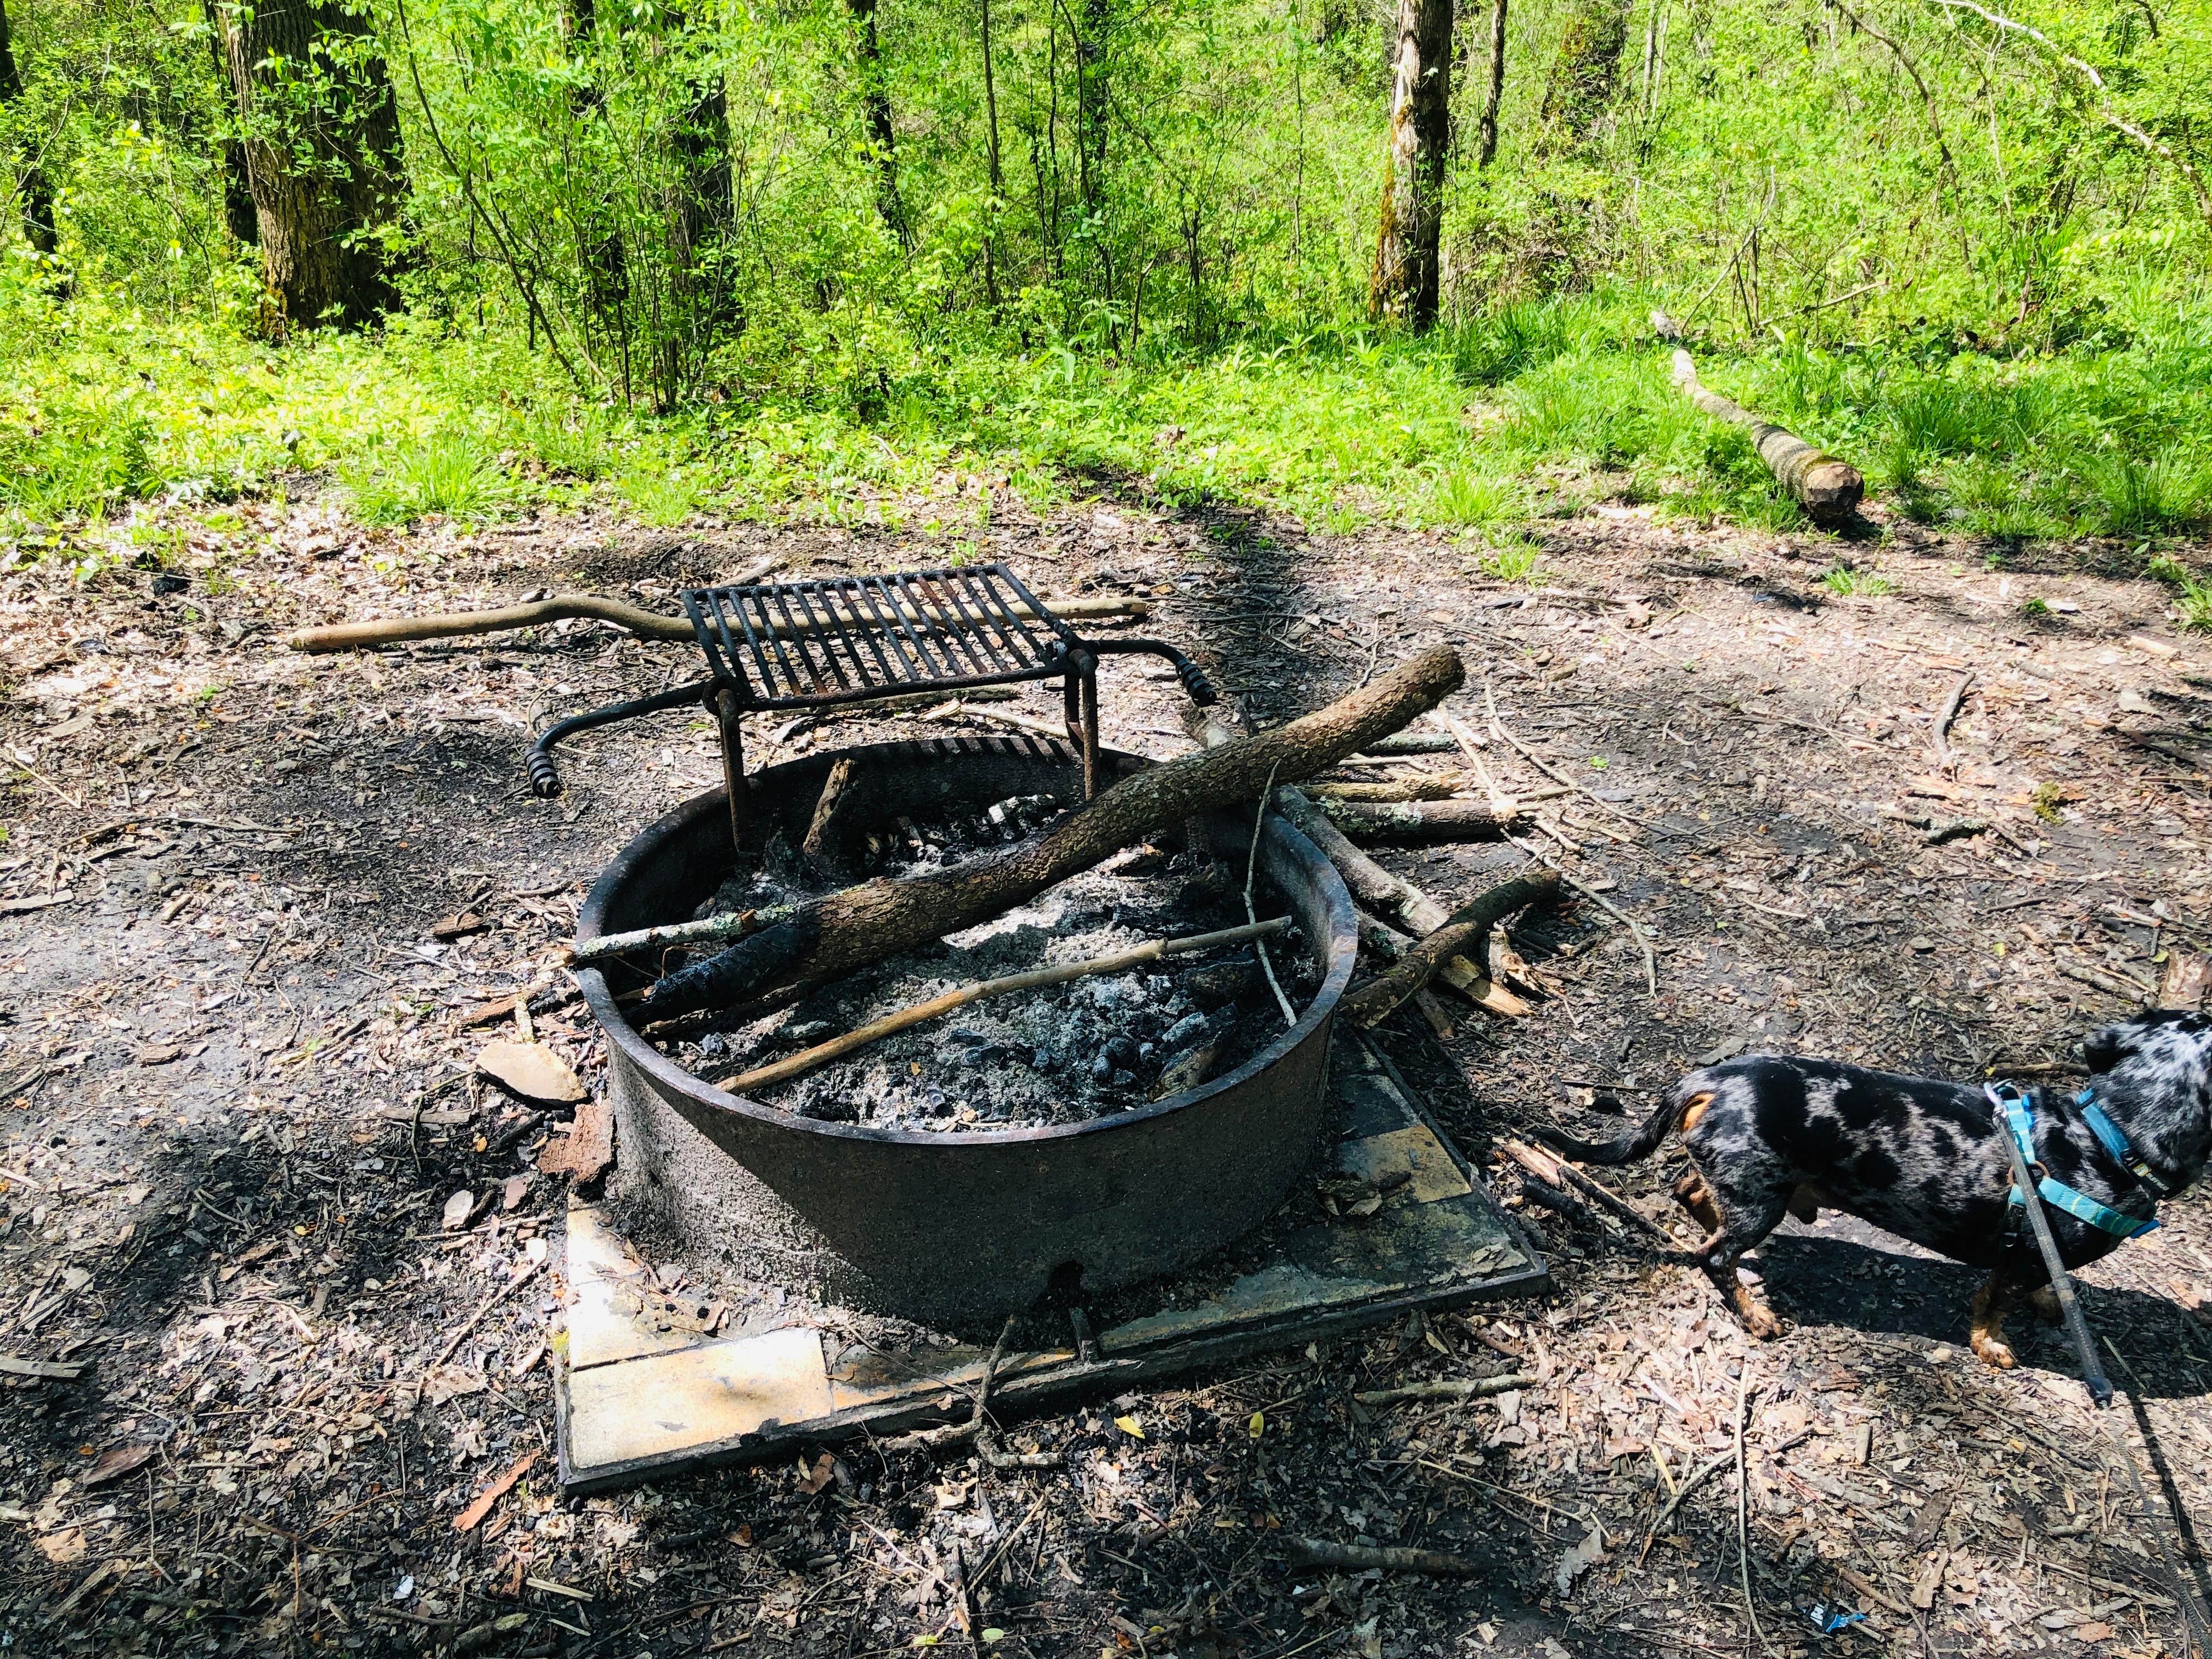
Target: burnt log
x,y
843,931
1467,927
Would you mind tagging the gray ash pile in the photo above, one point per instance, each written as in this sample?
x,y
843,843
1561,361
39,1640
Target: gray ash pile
x,y
1058,1054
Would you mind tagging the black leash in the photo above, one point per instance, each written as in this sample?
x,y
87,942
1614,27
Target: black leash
x,y
2100,1390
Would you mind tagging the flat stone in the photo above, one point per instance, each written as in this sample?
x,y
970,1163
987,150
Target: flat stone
x,y
531,1070
1409,1161
694,1401
607,1287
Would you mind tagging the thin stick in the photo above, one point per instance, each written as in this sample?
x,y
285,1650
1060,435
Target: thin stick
x,y
1948,713
484,1308
1635,927
1546,1167
1689,1483
1498,726
1500,802
710,930
647,624
960,996
1251,868
1742,1505
1478,1388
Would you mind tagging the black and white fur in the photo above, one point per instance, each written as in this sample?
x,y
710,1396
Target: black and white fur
x,y
1925,1159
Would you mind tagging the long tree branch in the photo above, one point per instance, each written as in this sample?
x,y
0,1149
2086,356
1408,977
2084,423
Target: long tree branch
x,y
2111,116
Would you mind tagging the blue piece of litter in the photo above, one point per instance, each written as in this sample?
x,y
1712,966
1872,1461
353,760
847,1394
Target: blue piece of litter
x,y
1829,1623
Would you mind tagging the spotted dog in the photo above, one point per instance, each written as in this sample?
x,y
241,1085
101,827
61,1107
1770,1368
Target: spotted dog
x,y
1926,1160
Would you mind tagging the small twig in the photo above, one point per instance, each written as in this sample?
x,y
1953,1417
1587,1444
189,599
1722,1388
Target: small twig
x,y
1360,1558
1635,928
1251,869
1689,1484
1944,716
484,1308
1742,1504
1497,728
1478,1388
1546,1167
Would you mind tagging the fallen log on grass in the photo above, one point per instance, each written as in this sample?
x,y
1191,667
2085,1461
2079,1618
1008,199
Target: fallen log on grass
x,y
842,931
1414,822
1464,930
1827,488
646,624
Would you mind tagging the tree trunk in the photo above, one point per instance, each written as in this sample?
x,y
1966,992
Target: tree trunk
x,y
1091,104
320,132
998,177
1486,146
599,247
1409,229
706,197
883,138
38,195
1580,86
849,929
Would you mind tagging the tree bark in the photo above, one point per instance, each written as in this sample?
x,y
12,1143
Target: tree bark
x,y
706,207
1827,488
1414,822
1486,142
883,138
849,929
1580,90
320,133
1409,227
997,176
1090,103
31,183
1465,931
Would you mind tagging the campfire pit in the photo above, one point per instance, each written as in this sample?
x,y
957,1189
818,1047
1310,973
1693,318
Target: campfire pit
x,y
956,1229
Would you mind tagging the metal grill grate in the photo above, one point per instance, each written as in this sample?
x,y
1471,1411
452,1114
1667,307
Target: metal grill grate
x,y
788,645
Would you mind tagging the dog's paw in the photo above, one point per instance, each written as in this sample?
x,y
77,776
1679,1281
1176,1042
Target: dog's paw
x,y
1995,1352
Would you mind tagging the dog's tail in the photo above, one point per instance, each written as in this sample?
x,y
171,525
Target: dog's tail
x,y
1676,1104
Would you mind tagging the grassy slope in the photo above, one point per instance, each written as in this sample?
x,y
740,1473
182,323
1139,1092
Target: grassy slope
x,y
1535,408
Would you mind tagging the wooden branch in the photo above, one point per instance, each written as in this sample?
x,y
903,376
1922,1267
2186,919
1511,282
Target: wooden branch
x,y
647,624
844,793
1559,1172
1414,822
845,930
809,1059
1391,789
1827,488
1466,929
707,930
1373,886
1463,1388
1359,1558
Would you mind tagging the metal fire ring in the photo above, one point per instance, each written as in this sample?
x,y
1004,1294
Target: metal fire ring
x,y
958,1229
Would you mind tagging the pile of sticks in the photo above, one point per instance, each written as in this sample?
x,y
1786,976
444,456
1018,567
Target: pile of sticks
x,y
763,959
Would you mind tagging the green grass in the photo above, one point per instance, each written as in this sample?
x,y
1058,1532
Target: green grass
x,y
452,473
1851,582
1534,409
1515,562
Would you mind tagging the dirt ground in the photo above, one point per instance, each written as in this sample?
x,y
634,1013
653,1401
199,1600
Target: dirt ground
x,y
251,1377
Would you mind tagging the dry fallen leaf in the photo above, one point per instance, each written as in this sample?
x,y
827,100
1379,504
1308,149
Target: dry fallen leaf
x,y
586,1149
118,1460
1578,1559
1130,1426
819,1476
490,1495
458,1207
531,1070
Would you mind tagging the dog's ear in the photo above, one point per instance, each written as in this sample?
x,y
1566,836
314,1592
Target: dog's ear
x,y
2109,1045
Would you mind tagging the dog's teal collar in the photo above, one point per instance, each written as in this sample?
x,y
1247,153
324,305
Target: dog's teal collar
x,y
2019,1124
2116,1143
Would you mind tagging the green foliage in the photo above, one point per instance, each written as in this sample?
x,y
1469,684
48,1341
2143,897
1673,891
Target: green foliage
x,y
1850,582
1513,561
452,473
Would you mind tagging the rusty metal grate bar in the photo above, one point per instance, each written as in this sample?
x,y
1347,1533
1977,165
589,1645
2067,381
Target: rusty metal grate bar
x,y
848,638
